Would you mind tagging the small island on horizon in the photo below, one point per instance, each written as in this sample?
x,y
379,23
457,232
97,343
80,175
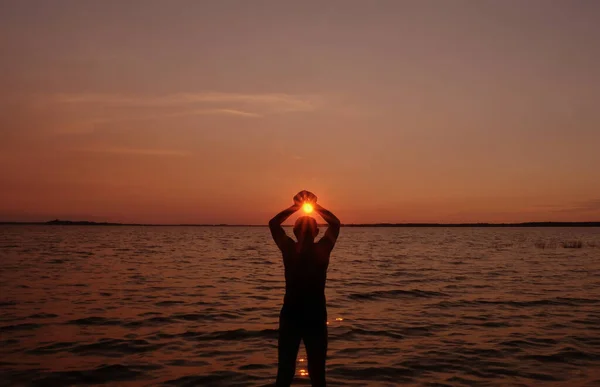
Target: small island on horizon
x,y
59,222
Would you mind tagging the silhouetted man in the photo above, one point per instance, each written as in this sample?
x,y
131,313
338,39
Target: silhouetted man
x,y
304,314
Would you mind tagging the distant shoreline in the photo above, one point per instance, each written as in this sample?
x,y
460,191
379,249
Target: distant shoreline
x,y
524,224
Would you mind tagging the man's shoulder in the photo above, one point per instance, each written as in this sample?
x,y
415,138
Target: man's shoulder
x,y
325,245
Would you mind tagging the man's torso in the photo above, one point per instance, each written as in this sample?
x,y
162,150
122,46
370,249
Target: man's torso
x,y
305,277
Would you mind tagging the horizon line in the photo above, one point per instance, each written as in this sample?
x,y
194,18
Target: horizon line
x,y
58,222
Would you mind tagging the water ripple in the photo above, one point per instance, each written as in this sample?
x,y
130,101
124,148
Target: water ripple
x,y
199,306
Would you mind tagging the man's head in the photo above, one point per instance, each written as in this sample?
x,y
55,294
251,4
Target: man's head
x,y
306,228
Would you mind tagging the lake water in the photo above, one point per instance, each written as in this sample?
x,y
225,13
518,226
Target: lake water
x,y
187,306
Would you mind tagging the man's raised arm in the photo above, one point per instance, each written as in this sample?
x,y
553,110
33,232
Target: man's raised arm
x,y
278,233
333,230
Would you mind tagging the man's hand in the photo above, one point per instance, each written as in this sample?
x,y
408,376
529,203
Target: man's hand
x,y
305,196
310,197
298,199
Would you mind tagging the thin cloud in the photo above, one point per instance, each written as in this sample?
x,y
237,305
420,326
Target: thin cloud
x,y
227,112
582,206
90,125
84,113
271,102
588,205
137,151
183,113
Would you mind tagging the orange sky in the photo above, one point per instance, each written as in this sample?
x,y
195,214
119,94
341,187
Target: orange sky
x,y
219,112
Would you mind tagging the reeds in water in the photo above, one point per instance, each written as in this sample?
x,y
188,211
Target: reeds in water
x,y
572,244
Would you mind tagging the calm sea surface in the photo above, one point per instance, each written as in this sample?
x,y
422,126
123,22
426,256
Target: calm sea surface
x,y
186,306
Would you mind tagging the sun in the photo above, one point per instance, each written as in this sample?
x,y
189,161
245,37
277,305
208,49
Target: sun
x,y
307,207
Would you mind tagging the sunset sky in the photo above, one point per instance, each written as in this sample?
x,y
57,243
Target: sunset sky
x,y
220,111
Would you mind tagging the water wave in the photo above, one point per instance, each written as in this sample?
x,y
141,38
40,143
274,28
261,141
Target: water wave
x,y
199,306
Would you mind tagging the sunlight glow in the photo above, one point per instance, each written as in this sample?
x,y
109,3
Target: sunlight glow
x,y
307,207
